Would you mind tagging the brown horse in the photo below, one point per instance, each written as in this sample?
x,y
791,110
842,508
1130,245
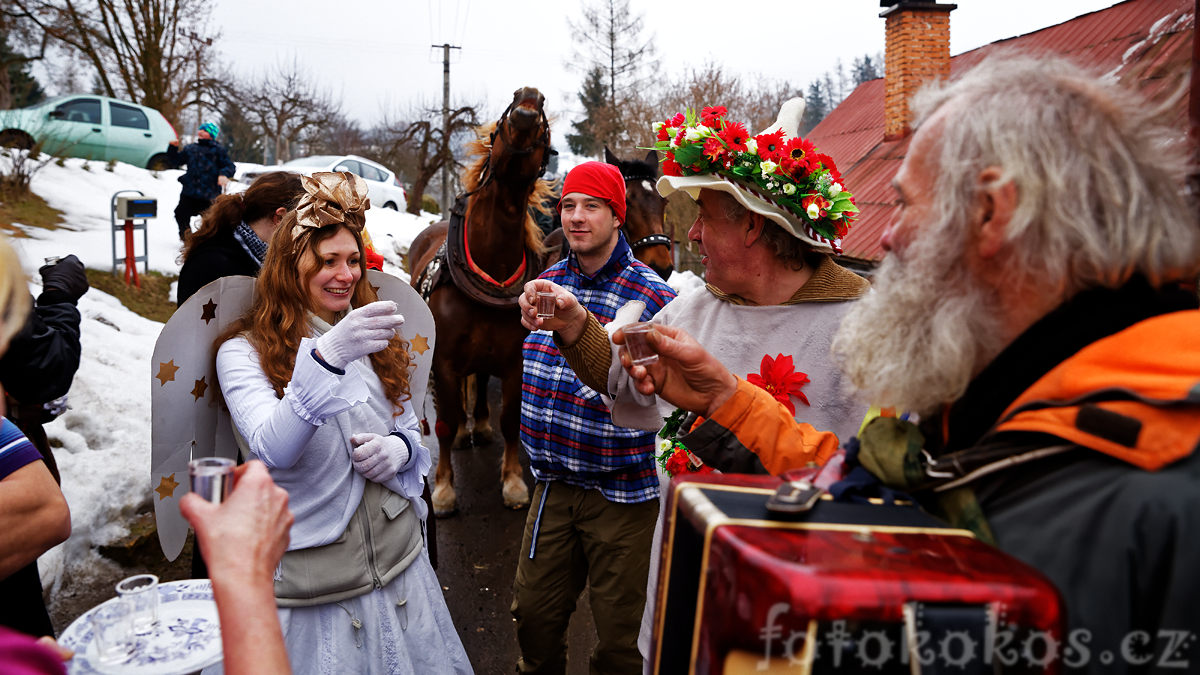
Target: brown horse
x,y
492,248
644,225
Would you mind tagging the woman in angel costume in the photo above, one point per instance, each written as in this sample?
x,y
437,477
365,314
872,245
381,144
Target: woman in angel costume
x,y
317,384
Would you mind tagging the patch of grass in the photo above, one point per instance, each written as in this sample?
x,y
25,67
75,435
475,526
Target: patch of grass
x,y
28,210
149,301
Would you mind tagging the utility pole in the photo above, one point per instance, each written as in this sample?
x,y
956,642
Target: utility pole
x,y
207,42
447,158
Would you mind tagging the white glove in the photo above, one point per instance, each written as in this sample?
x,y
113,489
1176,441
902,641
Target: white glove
x,y
363,331
376,457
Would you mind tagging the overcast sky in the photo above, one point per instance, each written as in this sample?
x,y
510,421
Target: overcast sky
x,y
375,56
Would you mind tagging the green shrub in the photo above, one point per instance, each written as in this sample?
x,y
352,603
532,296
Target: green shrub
x,y
428,203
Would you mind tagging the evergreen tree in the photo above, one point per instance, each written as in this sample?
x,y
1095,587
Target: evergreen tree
x,y
865,68
22,88
593,97
240,136
815,107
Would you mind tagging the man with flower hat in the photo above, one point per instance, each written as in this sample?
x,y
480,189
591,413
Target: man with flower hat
x,y
771,211
596,499
208,170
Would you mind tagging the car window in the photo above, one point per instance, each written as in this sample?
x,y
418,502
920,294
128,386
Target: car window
x,y
351,166
85,110
371,173
128,116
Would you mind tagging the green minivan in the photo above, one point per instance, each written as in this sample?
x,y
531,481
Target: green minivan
x,y
91,127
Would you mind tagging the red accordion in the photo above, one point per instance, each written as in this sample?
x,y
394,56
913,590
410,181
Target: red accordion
x,y
827,586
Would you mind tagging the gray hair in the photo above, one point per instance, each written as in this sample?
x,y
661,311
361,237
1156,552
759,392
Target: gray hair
x,y
1100,175
787,248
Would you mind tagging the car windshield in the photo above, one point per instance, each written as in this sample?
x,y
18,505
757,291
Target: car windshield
x,y
316,160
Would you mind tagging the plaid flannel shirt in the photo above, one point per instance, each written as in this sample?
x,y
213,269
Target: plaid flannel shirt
x,y
565,426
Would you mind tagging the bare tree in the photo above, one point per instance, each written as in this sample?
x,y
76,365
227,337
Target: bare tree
x,y
284,105
613,53
418,147
708,85
132,46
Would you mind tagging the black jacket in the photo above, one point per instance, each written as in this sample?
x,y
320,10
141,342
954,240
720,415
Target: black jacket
x,y
42,358
1121,543
205,160
221,256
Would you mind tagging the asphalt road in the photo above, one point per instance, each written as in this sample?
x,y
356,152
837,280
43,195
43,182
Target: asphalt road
x,y
477,560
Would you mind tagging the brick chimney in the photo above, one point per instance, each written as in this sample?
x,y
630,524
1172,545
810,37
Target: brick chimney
x,y
918,50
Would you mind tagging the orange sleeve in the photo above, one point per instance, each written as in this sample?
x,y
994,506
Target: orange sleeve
x,y
754,420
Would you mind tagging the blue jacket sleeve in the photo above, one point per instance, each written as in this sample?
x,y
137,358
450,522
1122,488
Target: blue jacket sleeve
x,y
225,166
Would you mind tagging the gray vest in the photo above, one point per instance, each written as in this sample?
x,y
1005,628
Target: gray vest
x,y
381,541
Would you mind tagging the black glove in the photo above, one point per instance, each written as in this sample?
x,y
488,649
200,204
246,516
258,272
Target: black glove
x,y
65,281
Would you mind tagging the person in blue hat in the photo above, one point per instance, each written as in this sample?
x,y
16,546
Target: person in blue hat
x,y
208,170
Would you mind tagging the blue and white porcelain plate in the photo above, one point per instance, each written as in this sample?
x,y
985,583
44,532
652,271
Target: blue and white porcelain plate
x,y
186,639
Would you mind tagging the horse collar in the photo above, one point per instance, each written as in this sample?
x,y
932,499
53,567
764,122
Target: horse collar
x,y
469,277
656,239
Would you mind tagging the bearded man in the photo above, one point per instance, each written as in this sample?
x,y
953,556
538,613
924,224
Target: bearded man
x,y
1034,310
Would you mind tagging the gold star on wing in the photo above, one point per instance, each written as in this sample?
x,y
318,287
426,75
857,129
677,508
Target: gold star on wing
x,y
210,311
166,372
420,344
166,487
199,389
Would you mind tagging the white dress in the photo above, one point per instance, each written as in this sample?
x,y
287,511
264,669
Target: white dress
x,y
303,438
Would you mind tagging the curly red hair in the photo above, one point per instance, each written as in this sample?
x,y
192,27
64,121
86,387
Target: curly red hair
x,y
278,317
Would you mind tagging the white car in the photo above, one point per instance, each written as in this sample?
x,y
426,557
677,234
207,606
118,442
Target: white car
x,y
383,188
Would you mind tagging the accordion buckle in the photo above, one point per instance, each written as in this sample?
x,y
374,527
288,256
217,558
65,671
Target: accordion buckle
x,y
798,496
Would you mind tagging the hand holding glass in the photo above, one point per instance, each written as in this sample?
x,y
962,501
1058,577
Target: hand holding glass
x,y
211,478
545,304
637,341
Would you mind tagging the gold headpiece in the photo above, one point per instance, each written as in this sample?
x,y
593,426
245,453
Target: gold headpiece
x,y
331,198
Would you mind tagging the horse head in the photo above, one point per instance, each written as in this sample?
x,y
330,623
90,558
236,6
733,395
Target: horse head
x,y
645,226
520,143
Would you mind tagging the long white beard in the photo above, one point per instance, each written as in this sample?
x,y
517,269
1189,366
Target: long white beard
x,y
925,329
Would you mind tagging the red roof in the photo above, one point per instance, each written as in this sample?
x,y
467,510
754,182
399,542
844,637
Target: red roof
x,y
1148,42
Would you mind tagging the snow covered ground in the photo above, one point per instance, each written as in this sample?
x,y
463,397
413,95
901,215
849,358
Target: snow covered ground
x,y
105,435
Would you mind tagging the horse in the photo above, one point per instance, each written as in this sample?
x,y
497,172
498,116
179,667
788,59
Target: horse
x,y
483,257
644,225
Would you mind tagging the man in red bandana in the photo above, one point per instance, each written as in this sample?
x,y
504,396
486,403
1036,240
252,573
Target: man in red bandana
x,y
596,498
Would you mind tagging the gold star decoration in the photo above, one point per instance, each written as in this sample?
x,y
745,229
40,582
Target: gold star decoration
x,y
210,311
420,344
166,372
199,389
166,487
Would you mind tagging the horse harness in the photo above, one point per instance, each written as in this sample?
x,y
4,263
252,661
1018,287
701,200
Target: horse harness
x,y
452,264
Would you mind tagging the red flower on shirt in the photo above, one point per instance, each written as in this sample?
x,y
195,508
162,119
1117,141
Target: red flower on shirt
x,y
779,377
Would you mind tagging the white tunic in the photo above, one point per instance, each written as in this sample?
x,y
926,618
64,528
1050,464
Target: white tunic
x,y
303,438
740,336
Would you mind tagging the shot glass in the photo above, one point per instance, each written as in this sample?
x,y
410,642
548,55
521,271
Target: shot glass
x,y
140,593
112,627
211,478
638,343
545,305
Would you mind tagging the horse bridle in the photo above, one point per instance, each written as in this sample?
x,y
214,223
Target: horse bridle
x,y
657,239
500,128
